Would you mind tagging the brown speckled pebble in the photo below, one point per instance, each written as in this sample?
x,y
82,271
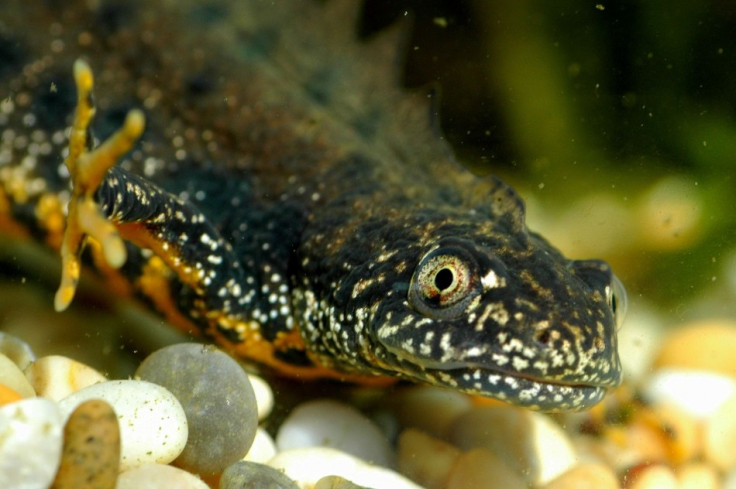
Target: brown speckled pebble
x,y
91,451
335,482
424,459
481,469
251,475
529,443
217,398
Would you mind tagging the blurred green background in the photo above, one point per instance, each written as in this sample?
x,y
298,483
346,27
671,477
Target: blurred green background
x,y
615,120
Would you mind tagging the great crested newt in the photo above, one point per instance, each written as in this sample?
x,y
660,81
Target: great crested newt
x,y
262,179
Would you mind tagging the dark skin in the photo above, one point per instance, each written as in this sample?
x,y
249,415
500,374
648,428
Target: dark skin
x,y
294,207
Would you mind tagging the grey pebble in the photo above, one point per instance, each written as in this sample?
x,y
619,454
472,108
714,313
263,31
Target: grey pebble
x,y
252,475
217,398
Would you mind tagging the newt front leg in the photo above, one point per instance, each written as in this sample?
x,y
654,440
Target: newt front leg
x,y
110,205
87,170
191,273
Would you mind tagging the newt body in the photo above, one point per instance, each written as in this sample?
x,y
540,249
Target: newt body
x,y
289,202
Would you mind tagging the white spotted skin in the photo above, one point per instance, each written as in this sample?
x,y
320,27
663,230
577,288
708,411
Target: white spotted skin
x,y
298,195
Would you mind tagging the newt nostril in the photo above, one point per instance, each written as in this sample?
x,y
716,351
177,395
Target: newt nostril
x,y
546,337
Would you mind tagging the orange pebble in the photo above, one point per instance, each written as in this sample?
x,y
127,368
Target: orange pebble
x,y
705,345
8,395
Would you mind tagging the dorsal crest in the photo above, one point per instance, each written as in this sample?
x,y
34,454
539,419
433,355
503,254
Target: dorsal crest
x,y
494,197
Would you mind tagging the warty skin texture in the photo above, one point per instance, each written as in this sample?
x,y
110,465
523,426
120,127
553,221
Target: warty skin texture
x,y
298,208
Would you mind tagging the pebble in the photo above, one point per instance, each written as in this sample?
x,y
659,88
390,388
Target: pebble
x,y
263,448
681,432
332,424
308,465
584,476
650,476
639,341
719,436
481,469
704,345
157,476
30,443
91,451
661,433
251,475
729,480
335,482
697,476
56,377
424,459
429,409
644,434
647,441
218,400
11,376
153,425
16,349
529,442
697,392
601,448
264,396
8,395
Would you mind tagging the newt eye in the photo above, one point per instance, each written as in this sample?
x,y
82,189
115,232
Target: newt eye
x,y
443,283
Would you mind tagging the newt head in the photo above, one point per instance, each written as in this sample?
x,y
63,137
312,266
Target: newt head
x,y
468,299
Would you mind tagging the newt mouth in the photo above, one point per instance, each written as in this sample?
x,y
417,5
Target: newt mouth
x,y
522,390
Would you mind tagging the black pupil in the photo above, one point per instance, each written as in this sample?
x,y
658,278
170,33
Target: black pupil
x,y
443,279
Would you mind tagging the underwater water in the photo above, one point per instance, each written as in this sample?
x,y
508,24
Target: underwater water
x,y
616,122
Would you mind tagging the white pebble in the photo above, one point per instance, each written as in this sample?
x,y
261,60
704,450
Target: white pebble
x,y
31,432
332,424
264,396
699,393
719,436
528,441
308,465
12,376
653,476
639,341
263,448
155,476
153,426
56,377
698,475
729,480
16,349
